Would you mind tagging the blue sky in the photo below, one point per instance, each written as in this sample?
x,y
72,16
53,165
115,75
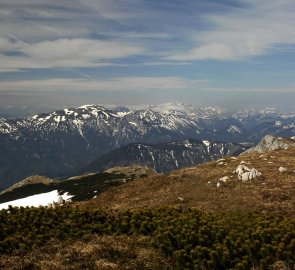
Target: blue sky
x,y
232,54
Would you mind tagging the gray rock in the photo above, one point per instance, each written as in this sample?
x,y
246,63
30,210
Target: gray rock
x,y
271,143
244,173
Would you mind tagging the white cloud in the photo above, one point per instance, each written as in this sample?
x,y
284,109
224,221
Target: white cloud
x,y
115,84
256,30
91,33
64,53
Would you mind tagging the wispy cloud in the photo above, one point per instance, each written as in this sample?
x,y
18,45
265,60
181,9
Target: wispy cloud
x,y
165,31
62,53
115,84
257,30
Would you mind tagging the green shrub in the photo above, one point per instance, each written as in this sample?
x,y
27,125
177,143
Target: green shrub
x,y
193,240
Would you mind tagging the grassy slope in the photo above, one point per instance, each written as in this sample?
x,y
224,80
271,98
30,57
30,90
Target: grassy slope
x,y
91,252
273,191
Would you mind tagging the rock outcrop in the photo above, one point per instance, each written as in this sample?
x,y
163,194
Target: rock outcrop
x,y
245,173
271,143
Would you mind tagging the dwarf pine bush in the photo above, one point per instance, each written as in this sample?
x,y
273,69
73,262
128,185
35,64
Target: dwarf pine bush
x,y
192,239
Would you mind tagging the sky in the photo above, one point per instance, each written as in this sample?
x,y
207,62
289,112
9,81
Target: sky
x,y
226,53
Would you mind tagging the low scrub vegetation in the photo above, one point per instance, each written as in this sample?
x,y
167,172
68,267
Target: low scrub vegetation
x,y
189,238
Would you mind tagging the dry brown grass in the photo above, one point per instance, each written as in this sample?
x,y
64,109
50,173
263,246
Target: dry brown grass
x,y
273,191
92,252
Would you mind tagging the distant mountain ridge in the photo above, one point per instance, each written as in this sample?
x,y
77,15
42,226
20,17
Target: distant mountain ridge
x,y
164,157
59,143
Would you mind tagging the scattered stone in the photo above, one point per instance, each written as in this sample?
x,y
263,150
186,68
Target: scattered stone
x,y
221,159
283,169
221,163
218,184
224,179
181,199
234,158
244,162
209,182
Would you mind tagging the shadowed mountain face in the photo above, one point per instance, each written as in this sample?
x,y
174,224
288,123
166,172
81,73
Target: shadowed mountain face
x,y
62,142
165,157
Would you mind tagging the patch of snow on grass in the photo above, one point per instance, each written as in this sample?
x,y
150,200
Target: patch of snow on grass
x,y
42,199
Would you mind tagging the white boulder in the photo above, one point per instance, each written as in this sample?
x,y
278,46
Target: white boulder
x,y
244,173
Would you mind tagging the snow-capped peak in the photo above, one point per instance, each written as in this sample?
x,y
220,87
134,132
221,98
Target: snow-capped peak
x,y
167,108
87,106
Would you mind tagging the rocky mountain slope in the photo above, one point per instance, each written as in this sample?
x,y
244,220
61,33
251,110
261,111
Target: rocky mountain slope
x,y
61,142
165,157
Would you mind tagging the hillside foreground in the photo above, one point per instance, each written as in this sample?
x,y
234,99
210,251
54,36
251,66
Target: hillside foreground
x,y
196,187
187,219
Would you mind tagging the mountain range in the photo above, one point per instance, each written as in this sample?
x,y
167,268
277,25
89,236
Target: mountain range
x,y
60,143
164,157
